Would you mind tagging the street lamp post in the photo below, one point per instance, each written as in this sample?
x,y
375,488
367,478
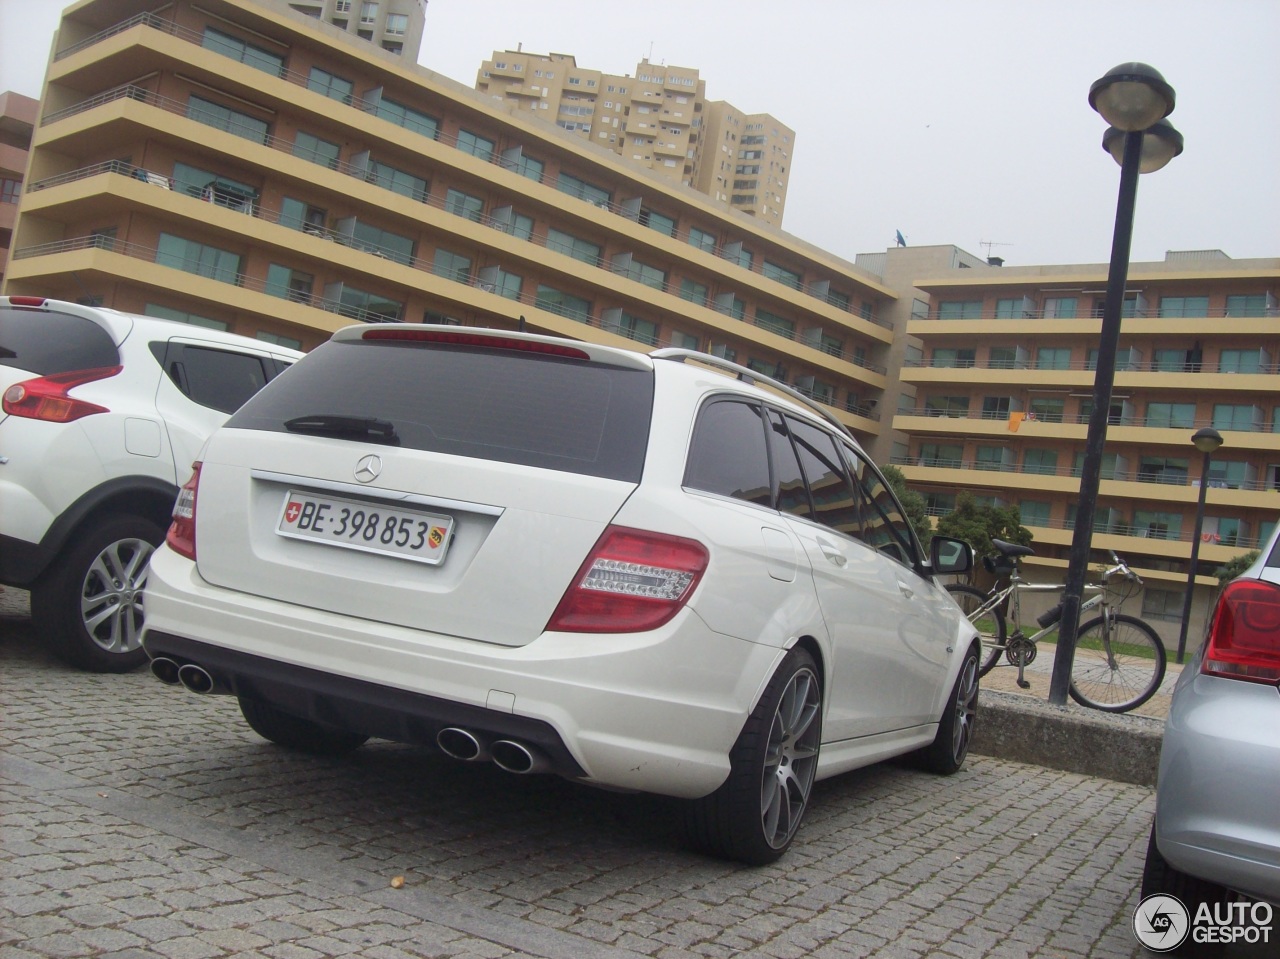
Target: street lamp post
x,y
1134,99
1208,441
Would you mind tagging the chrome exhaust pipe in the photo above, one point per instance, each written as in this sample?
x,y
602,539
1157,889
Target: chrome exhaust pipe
x,y
166,670
518,758
195,678
461,744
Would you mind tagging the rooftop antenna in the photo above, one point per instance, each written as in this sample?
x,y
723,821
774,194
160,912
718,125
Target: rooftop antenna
x,y
988,244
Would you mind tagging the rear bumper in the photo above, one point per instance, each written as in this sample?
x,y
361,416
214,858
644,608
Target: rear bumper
x,y
654,712
1219,779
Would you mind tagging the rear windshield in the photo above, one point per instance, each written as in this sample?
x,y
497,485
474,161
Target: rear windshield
x,y
44,343
512,407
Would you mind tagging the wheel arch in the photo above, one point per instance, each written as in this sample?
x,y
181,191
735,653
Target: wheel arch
x,y
145,496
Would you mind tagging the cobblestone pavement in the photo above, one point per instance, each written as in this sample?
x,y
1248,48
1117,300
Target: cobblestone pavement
x,y
141,820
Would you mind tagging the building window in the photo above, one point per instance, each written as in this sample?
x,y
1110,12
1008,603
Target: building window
x,y
1247,304
397,24
1060,307
209,186
199,258
10,190
991,458
397,181
314,150
476,145
1005,358
1171,415
960,309
407,117
995,407
224,118
1163,469
657,221
530,168
563,304
1232,417
1196,306
333,87
781,274
297,215
464,205
507,285
573,246
1048,409
1240,361
634,328
246,53
368,12
1162,604
948,455
384,243
1154,524
1053,358
1040,462
368,307
694,292
702,240
566,183
452,266
775,323
946,406
289,284
650,276
954,358
182,316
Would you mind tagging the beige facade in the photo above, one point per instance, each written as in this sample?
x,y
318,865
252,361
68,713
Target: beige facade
x,y
277,180
17,121
394,25
998,389
658,118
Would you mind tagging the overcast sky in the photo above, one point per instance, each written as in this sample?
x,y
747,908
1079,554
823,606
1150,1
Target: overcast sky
x,y
964,123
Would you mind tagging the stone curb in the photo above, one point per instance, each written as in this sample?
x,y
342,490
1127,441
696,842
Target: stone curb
x,y
1024,729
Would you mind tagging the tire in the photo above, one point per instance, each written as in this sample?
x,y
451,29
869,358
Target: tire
x,y
89,605
1137,672
991,628
946,754
1160,878
754,815
294,732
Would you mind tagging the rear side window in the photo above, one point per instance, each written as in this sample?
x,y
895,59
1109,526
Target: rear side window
x,y
728,454
503,405
217,378
835,504
45,343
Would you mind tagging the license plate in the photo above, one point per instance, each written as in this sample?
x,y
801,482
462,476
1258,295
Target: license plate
x,y
372,528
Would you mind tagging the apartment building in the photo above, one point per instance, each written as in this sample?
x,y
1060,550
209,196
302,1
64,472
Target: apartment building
x,y
226,164
17,121
659,118
1002,364
393,25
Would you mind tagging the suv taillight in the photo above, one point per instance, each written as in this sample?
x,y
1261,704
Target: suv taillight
x,y
182,531
45,398
632,581
1244,640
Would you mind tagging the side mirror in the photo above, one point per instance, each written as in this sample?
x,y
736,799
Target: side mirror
x,y
948,556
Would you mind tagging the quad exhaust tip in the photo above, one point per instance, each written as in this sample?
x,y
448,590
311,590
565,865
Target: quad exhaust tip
x,y
166,670
461,744
518,758
195,678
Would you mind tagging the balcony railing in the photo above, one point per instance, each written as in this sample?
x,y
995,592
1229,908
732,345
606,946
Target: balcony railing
x,y
495,157
1163,478
1149,366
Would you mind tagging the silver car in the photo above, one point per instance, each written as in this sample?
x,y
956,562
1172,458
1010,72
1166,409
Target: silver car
x,y
1217,824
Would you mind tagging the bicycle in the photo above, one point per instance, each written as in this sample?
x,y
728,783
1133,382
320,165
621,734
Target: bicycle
x,y
1119,660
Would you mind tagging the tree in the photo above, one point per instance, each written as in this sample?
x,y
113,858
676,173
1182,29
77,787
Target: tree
x,y
913,504
978,524
1235,566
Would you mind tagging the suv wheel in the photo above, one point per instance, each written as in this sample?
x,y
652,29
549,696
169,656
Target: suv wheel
x,y
754,815
946,754
294,732
89,604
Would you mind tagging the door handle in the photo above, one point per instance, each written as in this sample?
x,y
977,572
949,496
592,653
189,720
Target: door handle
x,y
836,557
907,591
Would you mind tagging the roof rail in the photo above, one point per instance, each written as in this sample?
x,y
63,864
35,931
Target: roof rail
x,y
751,376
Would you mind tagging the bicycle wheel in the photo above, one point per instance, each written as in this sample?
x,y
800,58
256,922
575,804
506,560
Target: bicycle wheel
x,y
990,624
1120,672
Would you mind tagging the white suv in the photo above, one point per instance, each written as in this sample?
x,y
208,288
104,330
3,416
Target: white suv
x,y
633,571
103,414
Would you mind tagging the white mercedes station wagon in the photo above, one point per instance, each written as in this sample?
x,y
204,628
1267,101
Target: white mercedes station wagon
x,y
663,573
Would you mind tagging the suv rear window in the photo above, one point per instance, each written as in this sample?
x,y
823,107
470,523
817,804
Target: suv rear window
x,y
44,342
503,405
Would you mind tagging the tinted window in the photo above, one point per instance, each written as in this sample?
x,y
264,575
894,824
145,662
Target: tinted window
x,y
728,455
834,503
219,379
512,407
793,497
886,527
45,343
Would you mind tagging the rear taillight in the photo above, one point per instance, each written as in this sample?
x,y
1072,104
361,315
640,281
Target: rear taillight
x,y
45,398
182,531
632,581
1244,640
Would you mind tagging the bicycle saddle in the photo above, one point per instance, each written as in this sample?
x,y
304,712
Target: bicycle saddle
x,y
1012,549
